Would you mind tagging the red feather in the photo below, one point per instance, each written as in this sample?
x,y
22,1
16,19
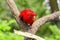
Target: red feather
x,y
27,16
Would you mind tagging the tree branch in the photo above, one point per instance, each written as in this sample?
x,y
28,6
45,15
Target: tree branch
x,y
53,5
16,13
54,8
38,23
26,34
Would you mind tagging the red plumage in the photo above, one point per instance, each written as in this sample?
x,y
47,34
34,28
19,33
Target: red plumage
x,y
28,16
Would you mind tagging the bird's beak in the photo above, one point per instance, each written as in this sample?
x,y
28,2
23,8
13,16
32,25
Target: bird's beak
x,y
34,18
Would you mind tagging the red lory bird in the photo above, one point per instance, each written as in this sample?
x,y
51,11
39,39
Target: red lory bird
x,y
28,16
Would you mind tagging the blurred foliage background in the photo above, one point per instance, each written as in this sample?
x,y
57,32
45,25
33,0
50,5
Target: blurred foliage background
x,y
8,23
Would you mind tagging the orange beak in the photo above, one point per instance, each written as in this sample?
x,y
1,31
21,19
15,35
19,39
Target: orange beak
x,y
34,18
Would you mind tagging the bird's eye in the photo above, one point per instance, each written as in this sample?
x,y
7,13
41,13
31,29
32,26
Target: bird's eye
x,y
31,16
